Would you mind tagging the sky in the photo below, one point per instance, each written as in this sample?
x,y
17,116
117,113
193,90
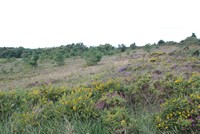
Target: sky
x,y
49,23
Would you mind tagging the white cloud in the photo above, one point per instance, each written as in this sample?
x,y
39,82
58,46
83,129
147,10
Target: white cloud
x,y
45,23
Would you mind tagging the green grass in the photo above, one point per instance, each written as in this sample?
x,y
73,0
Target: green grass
x,y
143,122
55,127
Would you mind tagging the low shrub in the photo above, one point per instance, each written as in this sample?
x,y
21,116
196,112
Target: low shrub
x,y
42,104
147,47
182,110
116,118
92,57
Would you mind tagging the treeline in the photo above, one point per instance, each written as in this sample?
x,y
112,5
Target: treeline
x,y
78,49
92,54
70,50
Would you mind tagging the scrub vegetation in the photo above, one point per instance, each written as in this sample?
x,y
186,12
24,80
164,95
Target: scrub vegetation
x,y
74,89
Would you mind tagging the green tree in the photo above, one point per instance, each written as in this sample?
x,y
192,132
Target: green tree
x,y
160,42
92,57
147,47
194,35
34,60
122,47
59,59
133,46
106,49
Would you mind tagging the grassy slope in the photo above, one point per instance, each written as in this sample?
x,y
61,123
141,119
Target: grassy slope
x,y
74,73
19,75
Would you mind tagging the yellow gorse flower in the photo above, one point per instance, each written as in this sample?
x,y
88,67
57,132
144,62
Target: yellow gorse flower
x,y
178,80
195,74
74,108
123,122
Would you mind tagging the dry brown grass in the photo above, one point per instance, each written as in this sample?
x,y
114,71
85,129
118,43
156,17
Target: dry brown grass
x,y
74,72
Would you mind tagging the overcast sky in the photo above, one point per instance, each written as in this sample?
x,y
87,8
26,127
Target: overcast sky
x,y
48,23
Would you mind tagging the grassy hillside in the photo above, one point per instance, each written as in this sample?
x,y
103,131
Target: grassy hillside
x,y
138,91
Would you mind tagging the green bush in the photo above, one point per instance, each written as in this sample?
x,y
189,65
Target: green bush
x,y
182,110
106,49
35,107
194,52
133,46
194,35
59,59
191,40
92,57
160,42
142,92
181,113
34,60
122,48
116,118
31,59
147,47
114,103
10,101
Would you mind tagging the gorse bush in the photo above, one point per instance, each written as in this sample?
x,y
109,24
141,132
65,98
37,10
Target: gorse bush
x,y
40,105
182,111
9,103
112,102
142,92
116,119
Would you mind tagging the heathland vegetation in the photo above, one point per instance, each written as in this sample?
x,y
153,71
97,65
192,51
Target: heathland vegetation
x,y
75,89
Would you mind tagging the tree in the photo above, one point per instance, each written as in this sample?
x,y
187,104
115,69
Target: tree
x,y
34,59
122,47
92,57
147,47
160,42
191,39
106,49
193,35
59,59
133,46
